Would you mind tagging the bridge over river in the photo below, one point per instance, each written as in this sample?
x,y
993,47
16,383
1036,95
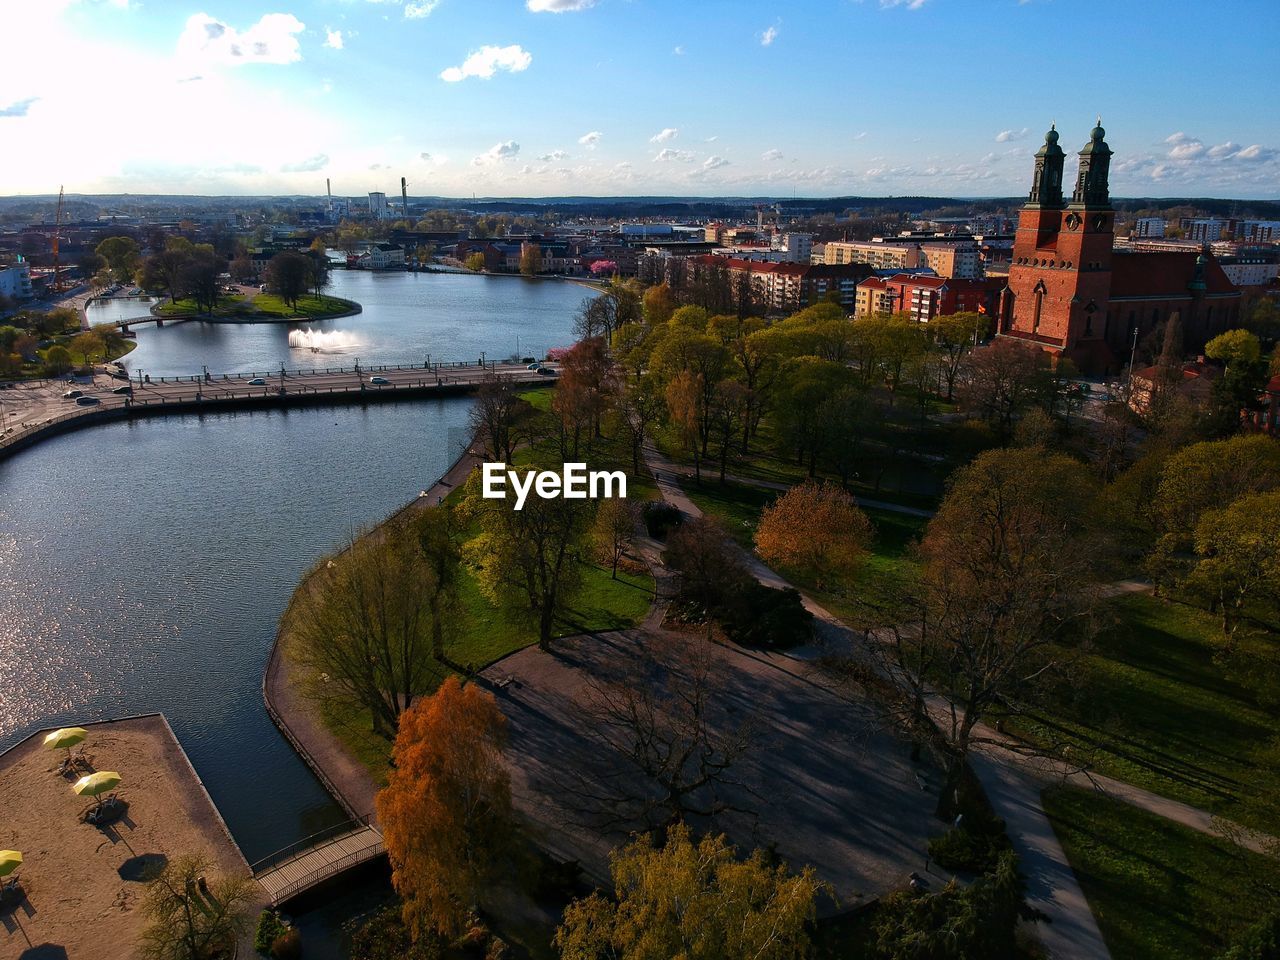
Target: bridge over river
x,y
29,418
310,862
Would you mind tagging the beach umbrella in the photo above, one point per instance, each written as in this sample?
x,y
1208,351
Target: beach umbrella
x,y
96,784
65,739
10,860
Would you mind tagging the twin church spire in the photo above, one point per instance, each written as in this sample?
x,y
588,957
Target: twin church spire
x,y
1091,182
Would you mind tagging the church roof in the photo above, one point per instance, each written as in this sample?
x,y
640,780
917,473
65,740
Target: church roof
x,y
1155,275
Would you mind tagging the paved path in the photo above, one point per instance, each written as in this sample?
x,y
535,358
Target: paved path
x,y
1071,932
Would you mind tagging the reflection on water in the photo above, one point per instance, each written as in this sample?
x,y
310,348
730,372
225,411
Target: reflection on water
x,y
143,566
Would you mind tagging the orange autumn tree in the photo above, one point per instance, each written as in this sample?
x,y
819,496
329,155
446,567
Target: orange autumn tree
x,y
817,529
446,810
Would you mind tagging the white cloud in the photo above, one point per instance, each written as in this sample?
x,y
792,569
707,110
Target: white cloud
x,y
1223,150
714,163
310,165
590,139
1256,152
774,154
768,35
487,61
666,154
678,50
506,150
1005,136
420,10
333,39
861,136
666,135
559,6
711,139
555,156
271,40
909,4
18,108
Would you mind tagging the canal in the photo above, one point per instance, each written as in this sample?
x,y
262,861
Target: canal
x,y
144,564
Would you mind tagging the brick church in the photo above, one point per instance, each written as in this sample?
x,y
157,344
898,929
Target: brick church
x,y
1076,296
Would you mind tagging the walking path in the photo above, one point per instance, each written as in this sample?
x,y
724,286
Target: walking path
x,y
1071,932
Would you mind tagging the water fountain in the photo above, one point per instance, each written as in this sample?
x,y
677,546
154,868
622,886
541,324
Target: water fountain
x,y
323,341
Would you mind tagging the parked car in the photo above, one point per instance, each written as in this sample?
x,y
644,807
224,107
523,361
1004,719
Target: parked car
x,y
123,389
379,381
87,401
73,395
257,382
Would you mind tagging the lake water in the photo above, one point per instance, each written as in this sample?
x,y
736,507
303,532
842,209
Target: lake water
x,y
407,318
144,565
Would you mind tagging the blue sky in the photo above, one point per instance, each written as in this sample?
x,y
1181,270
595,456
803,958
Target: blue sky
x,y
705,97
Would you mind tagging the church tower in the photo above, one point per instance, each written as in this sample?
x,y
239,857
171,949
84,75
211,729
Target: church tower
x,y
1060,275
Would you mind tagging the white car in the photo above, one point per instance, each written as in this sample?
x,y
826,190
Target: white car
x,y
379,381
257,382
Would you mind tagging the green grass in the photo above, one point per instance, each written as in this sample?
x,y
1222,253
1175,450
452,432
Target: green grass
x,y
1153,708
227,305
268,304
1159,890
868,600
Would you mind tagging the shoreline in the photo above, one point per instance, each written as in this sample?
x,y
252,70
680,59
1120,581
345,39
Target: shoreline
x,y
297,718
351,309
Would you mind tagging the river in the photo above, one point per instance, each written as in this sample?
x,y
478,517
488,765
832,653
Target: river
x,y
144,565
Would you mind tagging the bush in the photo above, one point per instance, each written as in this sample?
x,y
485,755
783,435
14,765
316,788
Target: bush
x,y
1258,942
383,936
660,518
270,929
287,946
754,615
977,844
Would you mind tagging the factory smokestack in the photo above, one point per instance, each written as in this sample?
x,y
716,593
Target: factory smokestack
x,y
404,197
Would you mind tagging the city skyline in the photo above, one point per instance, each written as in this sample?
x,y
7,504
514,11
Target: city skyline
x,y
925,97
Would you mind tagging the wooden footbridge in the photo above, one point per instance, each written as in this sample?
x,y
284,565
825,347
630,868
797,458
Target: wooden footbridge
x,y
310,862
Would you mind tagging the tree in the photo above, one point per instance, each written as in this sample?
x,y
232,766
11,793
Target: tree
x,y
319,271
815,528
1002,380
57,360
364,622
446,809
475,262
87,346
684,405
496,416
442,567
200,276
526,558
659,304
1238,551
692,900
667,747
1244,377
585,390
710,567
954,335
613,530
728,410
1006,580
288,275
191,918
121,255
805,384
641,405
164,269
530,259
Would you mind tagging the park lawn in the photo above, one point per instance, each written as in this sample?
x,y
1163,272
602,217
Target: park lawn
x,y
268,304
1159,890
1152,707
869,599
227,305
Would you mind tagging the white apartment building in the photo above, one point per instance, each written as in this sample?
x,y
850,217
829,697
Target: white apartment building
x,y
15,280
378,205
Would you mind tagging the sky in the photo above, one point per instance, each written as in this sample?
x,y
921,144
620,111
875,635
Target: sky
x,y
633,97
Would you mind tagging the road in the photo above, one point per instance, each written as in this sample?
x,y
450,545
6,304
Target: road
x,y
30,407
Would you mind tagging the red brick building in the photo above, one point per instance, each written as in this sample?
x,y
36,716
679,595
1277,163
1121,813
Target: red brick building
x,y
1072,293
923,297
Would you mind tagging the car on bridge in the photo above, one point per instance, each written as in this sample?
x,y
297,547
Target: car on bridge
x,y
547,372
379,381
73,395
257,382
125,388
87,401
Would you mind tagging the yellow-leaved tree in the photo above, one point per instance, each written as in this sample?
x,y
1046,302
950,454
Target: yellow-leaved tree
x,y
817,529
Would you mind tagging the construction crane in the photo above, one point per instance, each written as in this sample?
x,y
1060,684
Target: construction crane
x,y
57,230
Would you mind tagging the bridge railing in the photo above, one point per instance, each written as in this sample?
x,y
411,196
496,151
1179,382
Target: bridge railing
x,y
316,841
317,371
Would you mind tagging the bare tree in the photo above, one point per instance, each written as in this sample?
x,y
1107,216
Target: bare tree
x,y
669,744
495,417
